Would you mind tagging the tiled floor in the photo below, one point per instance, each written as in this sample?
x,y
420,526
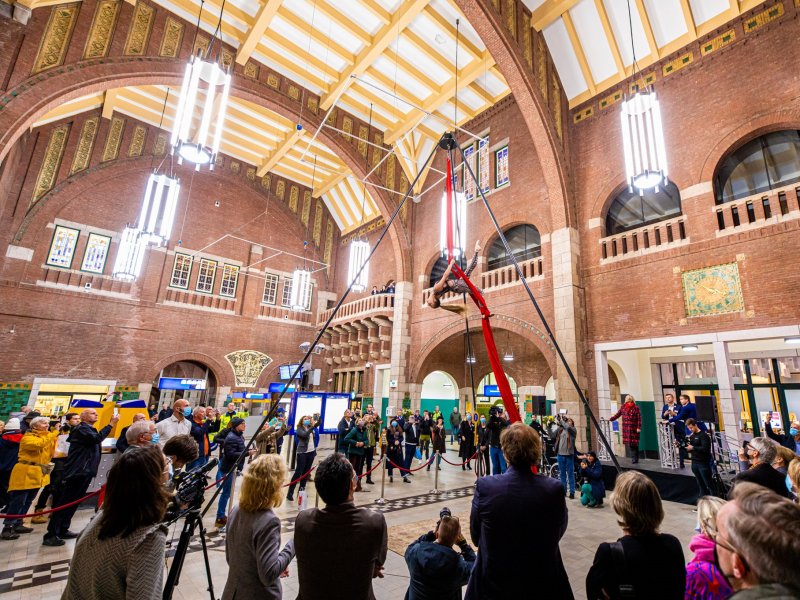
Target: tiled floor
x,y
30,571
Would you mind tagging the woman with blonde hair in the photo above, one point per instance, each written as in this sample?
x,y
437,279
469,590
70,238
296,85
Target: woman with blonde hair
x,y
704,580
254,534
625,568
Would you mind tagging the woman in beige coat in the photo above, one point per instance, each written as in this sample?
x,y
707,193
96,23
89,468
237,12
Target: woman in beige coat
x,y
30,474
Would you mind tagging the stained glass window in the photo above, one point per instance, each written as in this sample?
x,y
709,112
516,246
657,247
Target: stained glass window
x,y
181,271
468,182
94,257
270,289
230,277
501,167
205,278
62,248
483,164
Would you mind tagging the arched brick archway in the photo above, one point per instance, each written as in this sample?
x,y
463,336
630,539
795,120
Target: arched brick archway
x,y
525,330
34,97
488,23
224,376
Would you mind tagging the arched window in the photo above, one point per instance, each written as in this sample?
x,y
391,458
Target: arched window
x,y
438,270
630,210
525,243
765,163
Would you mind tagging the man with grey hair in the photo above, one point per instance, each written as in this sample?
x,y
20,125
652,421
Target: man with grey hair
x,y
759,454
140,434
122,442
757,549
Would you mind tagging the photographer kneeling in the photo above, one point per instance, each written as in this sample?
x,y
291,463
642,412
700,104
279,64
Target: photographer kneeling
x,y
437,571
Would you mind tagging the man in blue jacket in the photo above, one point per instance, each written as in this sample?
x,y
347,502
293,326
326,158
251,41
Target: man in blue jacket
x,y
437,571
687,411
80,468
233,448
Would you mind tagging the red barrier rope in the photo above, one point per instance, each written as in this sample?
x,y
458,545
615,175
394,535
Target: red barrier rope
x,y
460,464
380,462
425,464
303,476
56,509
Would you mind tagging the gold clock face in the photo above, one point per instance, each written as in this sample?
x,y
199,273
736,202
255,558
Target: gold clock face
x,y
712,291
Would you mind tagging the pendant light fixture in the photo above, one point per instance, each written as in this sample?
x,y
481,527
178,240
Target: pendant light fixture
x,y
300,297
358,268
642,134
132,246
459,207
508,355
200,115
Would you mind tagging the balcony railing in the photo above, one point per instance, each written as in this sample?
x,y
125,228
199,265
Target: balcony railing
x,y
644,240
273,312
375,303
532,268
777,205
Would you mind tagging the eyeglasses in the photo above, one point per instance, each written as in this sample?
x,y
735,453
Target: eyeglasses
x,y
719,542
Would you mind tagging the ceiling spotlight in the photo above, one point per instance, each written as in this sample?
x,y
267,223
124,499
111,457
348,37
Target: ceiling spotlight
x,y
690,348
440,39
792,340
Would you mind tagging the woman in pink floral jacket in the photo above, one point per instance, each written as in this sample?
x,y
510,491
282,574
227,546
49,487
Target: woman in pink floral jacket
x,y
704,581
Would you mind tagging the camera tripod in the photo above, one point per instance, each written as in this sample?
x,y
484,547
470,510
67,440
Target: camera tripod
x,y
193,519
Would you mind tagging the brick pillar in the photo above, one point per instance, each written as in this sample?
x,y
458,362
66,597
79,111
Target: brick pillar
x,y
401,340
566,324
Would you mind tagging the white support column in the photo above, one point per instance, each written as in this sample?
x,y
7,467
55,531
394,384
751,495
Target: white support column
x,y
603,385
728,397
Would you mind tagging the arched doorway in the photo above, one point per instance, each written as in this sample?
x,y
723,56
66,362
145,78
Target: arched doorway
x,y
188,379
439,389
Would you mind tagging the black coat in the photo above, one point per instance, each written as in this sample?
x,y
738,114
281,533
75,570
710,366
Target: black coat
x,y
466,439
344,429
122,440
83,458
412,433
484,436
764,475
654,565
437,572
593,473
517,520
234,446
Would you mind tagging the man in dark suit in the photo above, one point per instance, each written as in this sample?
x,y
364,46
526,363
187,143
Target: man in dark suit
x,y
324,569
686,411
517,521
345,425
411,441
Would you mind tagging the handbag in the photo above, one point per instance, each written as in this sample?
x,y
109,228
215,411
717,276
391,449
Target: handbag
x,y
46,468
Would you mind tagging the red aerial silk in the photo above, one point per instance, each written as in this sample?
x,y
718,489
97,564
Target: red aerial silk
x,y
477,297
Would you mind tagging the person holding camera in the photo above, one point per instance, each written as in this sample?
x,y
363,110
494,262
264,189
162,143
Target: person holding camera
x,y
306,453
436,570
425,426
497,423
756,457
394,450
592,472
120,554
698,444
484,438
439,434
565,452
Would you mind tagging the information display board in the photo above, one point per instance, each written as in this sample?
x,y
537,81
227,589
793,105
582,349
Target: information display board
x,y
335,405
304,404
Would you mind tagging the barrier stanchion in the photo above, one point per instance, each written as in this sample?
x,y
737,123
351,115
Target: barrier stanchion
x,y
382,499
233,491
435,489
316,493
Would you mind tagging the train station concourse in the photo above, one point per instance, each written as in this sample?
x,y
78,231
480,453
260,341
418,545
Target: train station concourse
x,y
399,299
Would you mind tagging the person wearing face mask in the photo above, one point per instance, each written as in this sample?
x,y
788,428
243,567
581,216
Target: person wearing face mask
x,y
306,453
180,423
484,439
466,441
425,426
394,449
234,447
357,441
373,429
790,441
141,435
757,546
759,454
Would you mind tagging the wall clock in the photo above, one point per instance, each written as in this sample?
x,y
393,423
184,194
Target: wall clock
x,y
712,290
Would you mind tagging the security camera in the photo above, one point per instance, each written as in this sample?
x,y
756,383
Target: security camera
x,y
368,365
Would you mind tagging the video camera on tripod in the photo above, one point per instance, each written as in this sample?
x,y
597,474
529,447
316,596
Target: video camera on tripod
x,y
189,490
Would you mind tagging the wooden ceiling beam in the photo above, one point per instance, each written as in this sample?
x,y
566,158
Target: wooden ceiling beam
x,y
412,70
689,18
321,37
345,22
109,102
648,30
284,147
376,9
257,28
426,49
450,29
549,12
329,183
586,70
446,93
612,41
400,20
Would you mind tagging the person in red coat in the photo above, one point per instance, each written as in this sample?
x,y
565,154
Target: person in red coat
x,y
631,426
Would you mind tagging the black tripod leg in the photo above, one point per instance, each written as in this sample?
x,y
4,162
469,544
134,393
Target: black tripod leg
x,y
174,575
205,558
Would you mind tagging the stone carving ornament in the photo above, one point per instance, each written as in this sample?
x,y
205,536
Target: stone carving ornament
x,y
247,366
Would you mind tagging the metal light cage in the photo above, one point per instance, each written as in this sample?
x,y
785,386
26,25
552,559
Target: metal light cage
x,y
130,256
359,252
300,298
643,142
158,208
459,224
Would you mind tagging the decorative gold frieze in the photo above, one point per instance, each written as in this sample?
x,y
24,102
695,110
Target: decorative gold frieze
x,y
294,92
527,49
280,189
541,66
137,141
764,17
718,42
83,153
251,70
318,223
611,99
51,162
171,42
57,34
114,139
684,60
326,256
161,144
266,182
642,83
201,42
306,212
139,33
390,172
363,136
331,120
376,155
235,166
293,197
105,17
555,104
511,17
227,59
251,173
247,366
347,127
273,81
583,114
313,102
